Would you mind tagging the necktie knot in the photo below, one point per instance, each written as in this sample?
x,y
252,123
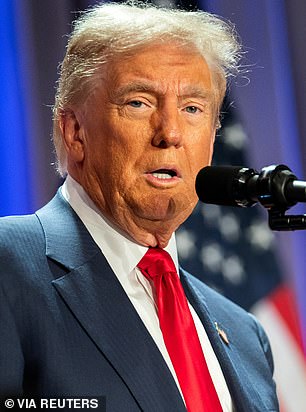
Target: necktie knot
x,y
156,262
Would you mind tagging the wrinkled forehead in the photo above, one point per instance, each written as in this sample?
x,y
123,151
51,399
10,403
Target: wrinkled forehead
x,y
165,65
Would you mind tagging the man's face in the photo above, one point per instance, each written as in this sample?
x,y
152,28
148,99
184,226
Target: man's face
x,y
147,129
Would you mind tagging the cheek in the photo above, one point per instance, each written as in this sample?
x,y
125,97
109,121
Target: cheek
x,y
201,153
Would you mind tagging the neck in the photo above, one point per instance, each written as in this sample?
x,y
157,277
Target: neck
x,y
145,233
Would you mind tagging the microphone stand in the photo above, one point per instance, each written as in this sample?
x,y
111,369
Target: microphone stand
x,y
279,221
278,193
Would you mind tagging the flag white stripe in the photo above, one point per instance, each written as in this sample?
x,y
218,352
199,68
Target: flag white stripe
x,y
290,367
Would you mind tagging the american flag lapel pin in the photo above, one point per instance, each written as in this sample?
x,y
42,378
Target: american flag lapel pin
x,y
222,334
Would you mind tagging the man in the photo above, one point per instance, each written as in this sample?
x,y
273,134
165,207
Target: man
x,y
82,313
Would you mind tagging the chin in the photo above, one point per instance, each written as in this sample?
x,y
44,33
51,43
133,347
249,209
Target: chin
x,y
166,208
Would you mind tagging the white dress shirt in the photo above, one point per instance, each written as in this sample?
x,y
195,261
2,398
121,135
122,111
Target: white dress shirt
x,y
123,255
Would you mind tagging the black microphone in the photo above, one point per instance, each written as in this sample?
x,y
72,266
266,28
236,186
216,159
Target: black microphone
x,y
274,187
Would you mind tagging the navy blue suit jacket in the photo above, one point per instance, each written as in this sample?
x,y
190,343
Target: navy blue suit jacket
x,y
67,327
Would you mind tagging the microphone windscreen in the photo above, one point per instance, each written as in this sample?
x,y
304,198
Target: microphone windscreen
x,y
215,184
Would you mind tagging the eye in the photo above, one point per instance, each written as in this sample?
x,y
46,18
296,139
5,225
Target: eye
x,y
192,109
135,103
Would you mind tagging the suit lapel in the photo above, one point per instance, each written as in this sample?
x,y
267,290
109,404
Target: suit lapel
x,y
92,292
245,397
97,299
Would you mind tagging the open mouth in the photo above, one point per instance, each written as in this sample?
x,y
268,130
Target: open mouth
x,y
164,173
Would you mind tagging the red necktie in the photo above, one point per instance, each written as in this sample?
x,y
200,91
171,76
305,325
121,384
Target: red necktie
x,y
179,332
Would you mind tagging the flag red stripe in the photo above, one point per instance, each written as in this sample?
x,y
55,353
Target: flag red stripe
x,y
284,301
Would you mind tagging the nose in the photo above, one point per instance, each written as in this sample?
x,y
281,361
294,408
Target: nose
x,y
167,128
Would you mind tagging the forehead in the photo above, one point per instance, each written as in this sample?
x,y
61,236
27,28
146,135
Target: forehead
x,y
162,67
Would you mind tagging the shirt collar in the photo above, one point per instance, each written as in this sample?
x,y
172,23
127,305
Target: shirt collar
x,y
121,252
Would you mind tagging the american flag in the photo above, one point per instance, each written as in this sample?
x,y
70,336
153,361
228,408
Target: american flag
x,y
234,251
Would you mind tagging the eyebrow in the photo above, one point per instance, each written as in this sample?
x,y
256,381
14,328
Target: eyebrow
x,y
139,86
132,87
197,91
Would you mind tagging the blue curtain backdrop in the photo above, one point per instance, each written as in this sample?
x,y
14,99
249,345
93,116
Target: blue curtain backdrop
x,y
16,183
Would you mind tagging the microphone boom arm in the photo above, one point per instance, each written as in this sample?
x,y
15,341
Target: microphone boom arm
x,y
278,220
282,192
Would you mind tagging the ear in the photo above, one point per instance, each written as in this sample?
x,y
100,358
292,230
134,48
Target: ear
x,y
70,128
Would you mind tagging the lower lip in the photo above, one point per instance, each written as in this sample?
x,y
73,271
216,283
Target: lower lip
x,y
156,181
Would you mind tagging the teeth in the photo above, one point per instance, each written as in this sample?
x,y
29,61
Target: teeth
x,y
162,175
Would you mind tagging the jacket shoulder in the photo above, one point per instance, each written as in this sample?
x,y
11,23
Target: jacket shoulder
x,y
18,230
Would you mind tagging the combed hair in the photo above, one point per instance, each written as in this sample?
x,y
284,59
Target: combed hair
x,y
108,30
